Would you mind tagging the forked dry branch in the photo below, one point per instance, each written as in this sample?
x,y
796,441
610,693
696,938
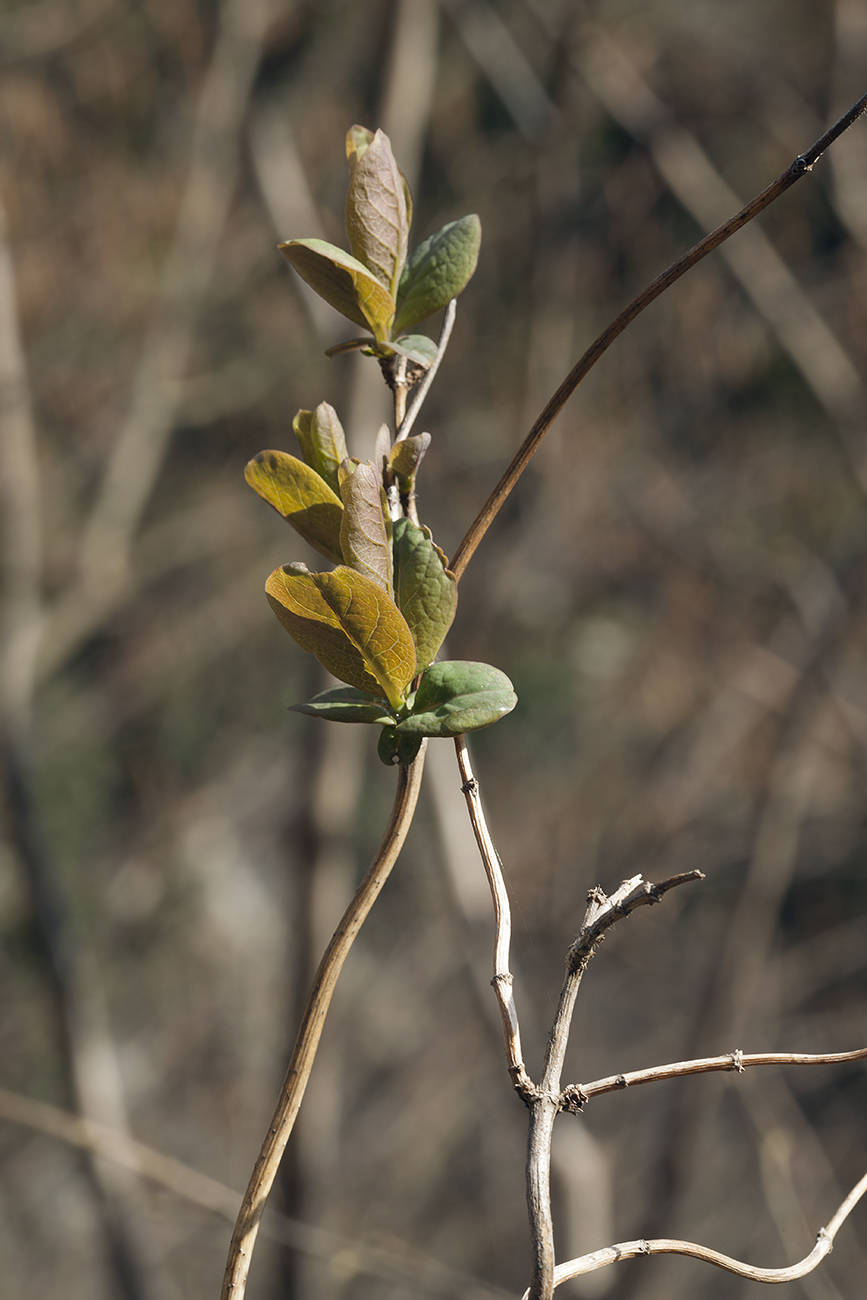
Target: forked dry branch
x,y
546,1100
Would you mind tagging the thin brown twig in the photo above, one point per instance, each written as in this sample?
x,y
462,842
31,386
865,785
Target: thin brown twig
x,y
307,1041
670,1246
801,165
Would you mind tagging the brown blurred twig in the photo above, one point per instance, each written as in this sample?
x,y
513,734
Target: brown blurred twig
x,y
209,1194
135,459
86,1045
600,345
822,359
20,509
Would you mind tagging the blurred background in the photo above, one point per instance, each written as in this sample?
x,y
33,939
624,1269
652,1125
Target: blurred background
x,y
676,589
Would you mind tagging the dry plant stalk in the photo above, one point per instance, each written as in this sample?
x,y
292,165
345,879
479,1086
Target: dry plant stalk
x,y
377,622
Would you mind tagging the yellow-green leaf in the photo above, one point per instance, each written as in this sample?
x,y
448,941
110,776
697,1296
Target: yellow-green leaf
x,y
405,457
300,495
358,138
350,624
322,441
343,282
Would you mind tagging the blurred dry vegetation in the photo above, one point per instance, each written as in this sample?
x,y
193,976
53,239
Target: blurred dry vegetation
x,y
676,589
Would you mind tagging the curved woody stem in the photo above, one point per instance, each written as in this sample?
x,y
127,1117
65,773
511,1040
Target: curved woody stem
x,y
600,345
304,1052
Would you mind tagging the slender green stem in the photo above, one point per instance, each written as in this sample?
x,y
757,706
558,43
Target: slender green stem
x,y
582,368
304,1052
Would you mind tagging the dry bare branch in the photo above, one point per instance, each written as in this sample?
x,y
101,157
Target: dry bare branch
x,y
502,980
668,1246
424,387
736,1061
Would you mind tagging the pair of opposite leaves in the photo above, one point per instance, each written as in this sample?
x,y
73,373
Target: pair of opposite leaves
x,y
379,618
379,286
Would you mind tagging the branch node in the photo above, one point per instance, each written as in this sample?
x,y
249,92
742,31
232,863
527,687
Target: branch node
x,y
524,1086
621,1081
737,1059
470,787
572,1099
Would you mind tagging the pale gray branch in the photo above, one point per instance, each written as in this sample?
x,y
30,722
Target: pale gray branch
x,y
603,911
502,980
424,387
733,1061
669,1246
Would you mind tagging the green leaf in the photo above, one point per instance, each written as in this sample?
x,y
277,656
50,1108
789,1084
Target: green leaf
x,y
350,624
396,746
345,704
300,495
376,215
405,457
322,441
425,591
437,271
457,696
416,347
364,534
343,282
